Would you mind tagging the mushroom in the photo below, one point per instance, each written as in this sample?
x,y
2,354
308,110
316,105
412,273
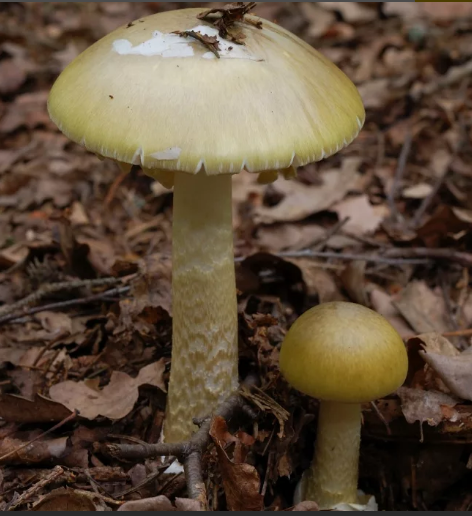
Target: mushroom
x,y
146,95
344,354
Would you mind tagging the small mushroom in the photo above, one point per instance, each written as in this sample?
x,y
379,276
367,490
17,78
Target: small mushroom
x,y
344,354
271,104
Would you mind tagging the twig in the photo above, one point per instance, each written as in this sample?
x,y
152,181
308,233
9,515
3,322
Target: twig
x,y
391,256
464,259
24,497
467,332
69,418
402,159
56,287
188,452
21,318
308,253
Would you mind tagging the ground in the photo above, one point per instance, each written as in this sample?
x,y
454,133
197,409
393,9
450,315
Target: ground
x,y
85,273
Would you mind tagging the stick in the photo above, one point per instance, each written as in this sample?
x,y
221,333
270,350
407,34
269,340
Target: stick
x,y
462,258
56,287
307,253
188,452
24,497
17,318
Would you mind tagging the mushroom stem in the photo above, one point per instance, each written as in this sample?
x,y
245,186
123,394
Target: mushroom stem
x,y
332,478
205,347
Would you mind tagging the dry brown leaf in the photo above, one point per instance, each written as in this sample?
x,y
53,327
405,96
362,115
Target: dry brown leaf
x,y
38,410
161,503
300,200
363,217
375,93
64,499
382,303
152,290
351,12
319,282
436,343
419,191
423,308
453,367
279,237
306,506
320,19
426,406
12,76
37,452
446,11
353,279
241,483
115,400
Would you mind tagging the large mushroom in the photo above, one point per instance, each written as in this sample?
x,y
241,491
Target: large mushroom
x,y
344,354
169,93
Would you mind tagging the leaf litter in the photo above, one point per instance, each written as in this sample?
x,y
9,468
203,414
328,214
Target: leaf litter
x,y
344,229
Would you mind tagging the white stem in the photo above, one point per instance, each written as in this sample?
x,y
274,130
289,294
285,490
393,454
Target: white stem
x,y
204,367
333,475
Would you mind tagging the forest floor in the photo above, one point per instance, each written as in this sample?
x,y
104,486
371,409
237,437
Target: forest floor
x,y
85,272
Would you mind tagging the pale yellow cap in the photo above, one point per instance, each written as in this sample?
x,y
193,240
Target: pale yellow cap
x,y
343,352
146,96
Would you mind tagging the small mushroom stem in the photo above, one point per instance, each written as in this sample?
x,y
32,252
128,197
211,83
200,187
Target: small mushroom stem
x,y
204,369
332,478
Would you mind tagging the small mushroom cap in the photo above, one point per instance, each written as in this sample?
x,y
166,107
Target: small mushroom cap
x,y
147,96
343,352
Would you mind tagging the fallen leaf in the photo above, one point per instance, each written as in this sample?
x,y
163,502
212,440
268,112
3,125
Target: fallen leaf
x,y
351,12
64,499
32,453
161,503
444,222
278,237
423,308
383,304
436,343
115,400
375,93
453,367
320,19
363,217
426,406
440,11
38,410
353,278
152,290
306,506
55,322
12,76
419,191
241,484
300,200
319,282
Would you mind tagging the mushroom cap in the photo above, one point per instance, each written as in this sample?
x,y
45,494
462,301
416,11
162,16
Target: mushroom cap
x,y
343,352
146,96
